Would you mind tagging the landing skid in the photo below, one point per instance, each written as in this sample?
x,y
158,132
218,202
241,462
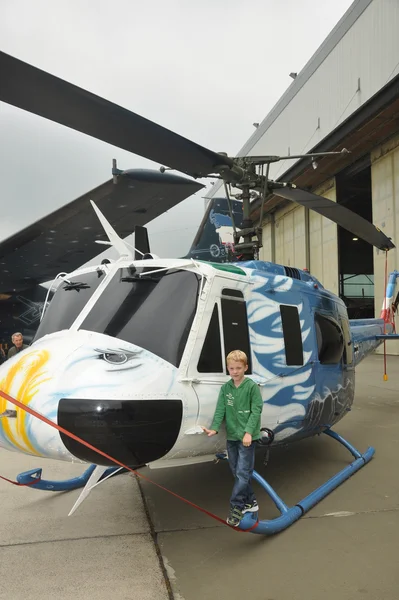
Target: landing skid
x,y
291,514
35,476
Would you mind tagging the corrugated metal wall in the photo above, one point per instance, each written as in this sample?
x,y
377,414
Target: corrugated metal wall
x,y
323,242
290,237
267,252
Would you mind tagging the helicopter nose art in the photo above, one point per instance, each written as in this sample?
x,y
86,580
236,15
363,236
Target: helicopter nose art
x,y
30,377
102,389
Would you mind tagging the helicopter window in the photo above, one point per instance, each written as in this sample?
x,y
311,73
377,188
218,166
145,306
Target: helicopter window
x,y
234,293
330,340
210,360
154,312
67,302
292,335
235,324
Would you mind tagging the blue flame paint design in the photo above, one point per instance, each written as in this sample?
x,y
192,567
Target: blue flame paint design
x,y
306,397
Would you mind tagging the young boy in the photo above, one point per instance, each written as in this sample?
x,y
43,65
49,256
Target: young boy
x,y
240,404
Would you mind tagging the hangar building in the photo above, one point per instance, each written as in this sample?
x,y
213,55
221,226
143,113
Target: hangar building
x,y
346,96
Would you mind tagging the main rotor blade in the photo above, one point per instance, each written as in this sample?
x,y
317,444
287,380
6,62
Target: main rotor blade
x,y
38,92
338,214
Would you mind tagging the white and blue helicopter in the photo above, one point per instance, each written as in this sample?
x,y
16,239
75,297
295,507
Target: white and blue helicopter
x,y
129,353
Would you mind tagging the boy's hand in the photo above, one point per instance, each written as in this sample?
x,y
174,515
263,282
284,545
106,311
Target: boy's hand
x,y
247,439
209,432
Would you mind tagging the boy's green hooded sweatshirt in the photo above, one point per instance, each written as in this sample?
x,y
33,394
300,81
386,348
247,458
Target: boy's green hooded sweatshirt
x,y
241,407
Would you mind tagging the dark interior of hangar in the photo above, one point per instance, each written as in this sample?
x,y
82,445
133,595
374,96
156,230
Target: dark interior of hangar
x,y
20,312
356,267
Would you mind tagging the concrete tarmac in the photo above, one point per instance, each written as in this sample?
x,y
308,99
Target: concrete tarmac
x,y
105,550
345,548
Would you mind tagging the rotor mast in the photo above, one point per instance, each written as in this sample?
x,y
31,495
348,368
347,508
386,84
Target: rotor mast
x,y
247,175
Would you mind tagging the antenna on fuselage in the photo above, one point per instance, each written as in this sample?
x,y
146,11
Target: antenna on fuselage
x,y
115,241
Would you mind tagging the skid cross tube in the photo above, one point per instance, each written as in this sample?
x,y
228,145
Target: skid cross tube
x,y
291,514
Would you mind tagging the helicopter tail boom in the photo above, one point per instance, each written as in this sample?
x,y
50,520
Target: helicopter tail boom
x,y
367,335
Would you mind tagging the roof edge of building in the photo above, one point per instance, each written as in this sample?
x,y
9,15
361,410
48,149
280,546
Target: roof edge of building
x,y
338,32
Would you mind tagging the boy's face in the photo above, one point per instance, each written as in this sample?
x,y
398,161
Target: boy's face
x,y
236,370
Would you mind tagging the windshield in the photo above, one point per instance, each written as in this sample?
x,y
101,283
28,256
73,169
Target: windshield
x,y
154,312
67,302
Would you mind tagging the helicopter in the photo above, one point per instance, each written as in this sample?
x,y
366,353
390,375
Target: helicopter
x,y
130,353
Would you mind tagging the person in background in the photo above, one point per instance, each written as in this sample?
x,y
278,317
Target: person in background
x,y
18,341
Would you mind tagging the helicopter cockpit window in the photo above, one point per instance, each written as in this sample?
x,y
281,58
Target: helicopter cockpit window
x,y
68,301
155,312
330,340
292,335
210,360
235,324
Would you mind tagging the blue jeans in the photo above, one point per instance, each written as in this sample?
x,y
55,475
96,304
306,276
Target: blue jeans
x,y
242,462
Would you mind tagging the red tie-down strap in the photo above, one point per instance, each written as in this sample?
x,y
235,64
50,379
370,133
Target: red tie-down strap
x,y
44,419
20,484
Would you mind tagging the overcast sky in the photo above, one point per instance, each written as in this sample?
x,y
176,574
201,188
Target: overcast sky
x,y
206,69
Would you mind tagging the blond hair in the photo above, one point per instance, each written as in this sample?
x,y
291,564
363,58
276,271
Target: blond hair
x,y
238,355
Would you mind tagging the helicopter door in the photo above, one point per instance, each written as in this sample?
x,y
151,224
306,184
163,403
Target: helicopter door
x,y
224,328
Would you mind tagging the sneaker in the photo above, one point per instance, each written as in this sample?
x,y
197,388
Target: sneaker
x,y
235,517
252,507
